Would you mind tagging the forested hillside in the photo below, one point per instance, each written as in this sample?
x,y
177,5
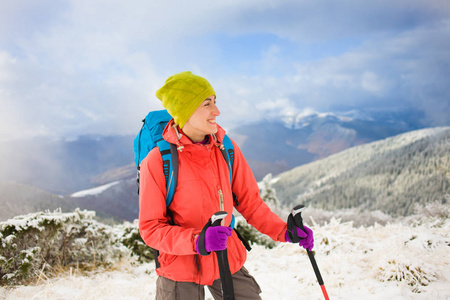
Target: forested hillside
x,y
389,175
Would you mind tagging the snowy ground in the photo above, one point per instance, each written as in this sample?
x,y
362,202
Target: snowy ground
x,y
378,262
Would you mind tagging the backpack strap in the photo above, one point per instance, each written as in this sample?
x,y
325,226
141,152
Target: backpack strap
x,y
228,155
169,156
243,240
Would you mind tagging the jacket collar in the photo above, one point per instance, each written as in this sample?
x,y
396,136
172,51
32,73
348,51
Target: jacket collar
x,y
175,136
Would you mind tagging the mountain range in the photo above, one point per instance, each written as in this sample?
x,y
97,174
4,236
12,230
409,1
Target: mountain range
x,y
277,145
64,166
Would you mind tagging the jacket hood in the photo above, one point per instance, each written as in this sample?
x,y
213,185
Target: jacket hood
x,y
173,135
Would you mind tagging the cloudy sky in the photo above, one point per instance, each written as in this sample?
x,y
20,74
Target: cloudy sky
x,y
89,67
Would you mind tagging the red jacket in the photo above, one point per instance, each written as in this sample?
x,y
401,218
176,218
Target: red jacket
x,y
203,189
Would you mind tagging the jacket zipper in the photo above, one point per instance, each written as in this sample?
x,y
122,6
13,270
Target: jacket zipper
x,y
221,205
221,200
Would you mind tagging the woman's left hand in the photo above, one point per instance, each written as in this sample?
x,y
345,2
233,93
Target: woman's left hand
x,y
307,237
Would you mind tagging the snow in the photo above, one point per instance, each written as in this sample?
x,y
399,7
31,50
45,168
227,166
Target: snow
x,y
94,191
395,261
303,118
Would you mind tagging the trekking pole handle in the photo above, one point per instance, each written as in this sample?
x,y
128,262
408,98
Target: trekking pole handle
x,y
217,218
297,214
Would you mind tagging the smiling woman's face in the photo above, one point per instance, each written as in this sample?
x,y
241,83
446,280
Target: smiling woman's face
x,y
203,121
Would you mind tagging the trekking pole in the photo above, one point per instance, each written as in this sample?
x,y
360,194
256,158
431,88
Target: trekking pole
x,y
222,259
298,221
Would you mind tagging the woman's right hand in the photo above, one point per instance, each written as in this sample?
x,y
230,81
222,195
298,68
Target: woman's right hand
x,y
216,238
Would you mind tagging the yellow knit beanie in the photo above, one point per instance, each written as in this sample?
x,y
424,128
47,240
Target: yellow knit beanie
x,y
182,93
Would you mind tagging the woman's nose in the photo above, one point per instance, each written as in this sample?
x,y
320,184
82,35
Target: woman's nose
x,y
216,110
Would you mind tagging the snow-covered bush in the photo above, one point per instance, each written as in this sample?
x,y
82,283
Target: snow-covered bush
x,y
408,270
430,246
131,238
416,258
252,235
358,217
269,196
37,242
434,214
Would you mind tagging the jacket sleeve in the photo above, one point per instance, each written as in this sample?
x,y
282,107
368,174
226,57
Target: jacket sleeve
x,y
251,206
154,224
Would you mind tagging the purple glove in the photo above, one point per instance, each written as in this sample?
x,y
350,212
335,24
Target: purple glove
x,y
307,236
216,238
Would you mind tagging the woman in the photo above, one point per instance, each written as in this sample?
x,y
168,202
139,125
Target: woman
x,y
203,188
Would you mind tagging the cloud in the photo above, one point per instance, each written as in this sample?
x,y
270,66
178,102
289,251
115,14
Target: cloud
x,y
322,20
71,67
401,71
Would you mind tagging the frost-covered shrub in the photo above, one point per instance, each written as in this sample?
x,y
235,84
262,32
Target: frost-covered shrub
x,y
269,196
358,217
410,269
132,239
36,242
434,213
252,235
412,272
418,254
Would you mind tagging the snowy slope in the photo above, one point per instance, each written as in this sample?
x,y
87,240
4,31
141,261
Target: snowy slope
x,y
94,191
348,159
396,261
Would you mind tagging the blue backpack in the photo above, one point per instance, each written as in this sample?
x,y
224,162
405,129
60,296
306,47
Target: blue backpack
x,y
150,136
